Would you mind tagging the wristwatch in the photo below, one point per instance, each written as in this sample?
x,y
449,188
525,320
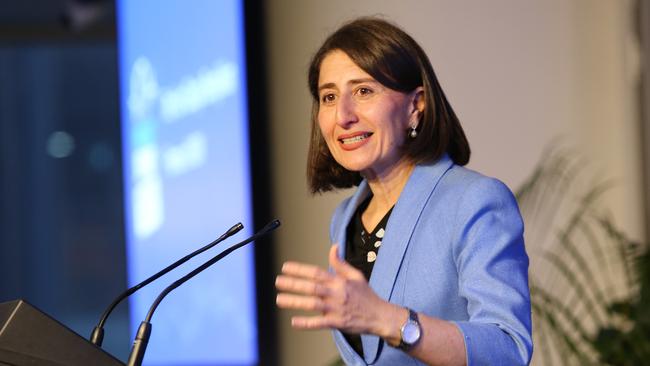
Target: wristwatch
x,y
410,332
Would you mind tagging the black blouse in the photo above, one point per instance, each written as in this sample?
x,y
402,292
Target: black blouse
x,y
361,252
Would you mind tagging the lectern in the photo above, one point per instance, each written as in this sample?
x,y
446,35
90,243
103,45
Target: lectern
x,y
30,337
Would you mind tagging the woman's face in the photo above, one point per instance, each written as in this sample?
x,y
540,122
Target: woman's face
x,y
363,122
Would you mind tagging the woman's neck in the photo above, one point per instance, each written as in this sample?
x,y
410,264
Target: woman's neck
x,y
387,187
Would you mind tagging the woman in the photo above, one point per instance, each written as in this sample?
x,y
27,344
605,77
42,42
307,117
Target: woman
x,y
434,269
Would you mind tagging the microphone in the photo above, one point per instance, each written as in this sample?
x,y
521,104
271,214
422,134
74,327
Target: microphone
x,y
97,336
144,331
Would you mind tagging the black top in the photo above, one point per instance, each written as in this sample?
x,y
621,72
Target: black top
x,y
361,252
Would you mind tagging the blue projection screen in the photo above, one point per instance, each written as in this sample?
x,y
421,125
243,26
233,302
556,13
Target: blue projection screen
x,y
187,175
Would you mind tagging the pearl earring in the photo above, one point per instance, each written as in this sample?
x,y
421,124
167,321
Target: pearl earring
x,y
414,132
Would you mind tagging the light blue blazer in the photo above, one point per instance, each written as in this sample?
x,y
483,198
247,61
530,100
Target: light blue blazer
x,y
454,250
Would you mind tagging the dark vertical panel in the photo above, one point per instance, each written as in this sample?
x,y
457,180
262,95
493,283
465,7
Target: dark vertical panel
x,y
11,255
261,179
62,238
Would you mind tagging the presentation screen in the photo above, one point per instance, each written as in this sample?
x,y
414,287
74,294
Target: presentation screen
x,y
187,175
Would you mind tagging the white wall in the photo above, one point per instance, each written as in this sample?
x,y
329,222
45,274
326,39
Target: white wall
x,y
518,73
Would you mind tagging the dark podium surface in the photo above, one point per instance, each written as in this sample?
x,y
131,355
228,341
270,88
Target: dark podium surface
x,y
30,337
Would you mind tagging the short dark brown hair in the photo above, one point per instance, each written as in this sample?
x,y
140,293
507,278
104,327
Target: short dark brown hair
x,y
396,61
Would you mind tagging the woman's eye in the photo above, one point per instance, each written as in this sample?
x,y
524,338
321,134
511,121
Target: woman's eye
x,y
364,91
328,98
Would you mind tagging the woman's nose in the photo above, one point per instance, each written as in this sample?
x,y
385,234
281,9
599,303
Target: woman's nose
x,y
345,112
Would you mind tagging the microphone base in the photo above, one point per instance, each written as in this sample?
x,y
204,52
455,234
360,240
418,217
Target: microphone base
x,y
97,337
140,344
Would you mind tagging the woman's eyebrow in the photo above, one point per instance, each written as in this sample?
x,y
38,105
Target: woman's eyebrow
x,y
361,81
351,82
327,86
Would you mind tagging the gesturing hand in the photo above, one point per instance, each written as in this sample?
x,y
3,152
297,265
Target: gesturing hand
x,y
344,299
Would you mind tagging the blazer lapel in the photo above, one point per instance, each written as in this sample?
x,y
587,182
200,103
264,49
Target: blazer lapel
x,y
340,238
359,196
399,229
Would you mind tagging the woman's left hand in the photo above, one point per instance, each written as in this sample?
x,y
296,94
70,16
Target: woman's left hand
x,y
344,298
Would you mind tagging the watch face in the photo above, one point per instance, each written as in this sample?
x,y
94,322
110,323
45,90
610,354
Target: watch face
x,y
411,332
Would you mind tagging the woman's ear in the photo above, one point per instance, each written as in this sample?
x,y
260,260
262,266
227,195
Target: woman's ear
x,y
418,103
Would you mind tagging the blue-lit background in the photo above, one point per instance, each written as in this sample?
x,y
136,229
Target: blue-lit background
x,y
186,174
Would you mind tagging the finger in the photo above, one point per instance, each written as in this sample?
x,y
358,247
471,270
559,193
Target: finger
x,y
310,322
303,270
306,287
299,302
341,267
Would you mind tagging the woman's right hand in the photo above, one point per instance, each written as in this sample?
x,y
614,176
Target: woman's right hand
x,y
343,298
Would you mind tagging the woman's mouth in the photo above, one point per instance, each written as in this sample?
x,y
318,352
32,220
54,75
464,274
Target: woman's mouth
x,y
353,139
351,142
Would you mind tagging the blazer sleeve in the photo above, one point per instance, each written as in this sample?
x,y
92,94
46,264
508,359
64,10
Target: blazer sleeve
x,y
493,275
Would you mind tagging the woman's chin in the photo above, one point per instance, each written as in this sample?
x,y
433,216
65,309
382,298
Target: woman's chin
x,y
354,166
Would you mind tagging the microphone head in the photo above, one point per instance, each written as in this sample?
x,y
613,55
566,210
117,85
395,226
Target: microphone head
x,y
234,229
270,226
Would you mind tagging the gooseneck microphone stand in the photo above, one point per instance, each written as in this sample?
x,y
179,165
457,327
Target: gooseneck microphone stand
x,y
97,336
144,331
